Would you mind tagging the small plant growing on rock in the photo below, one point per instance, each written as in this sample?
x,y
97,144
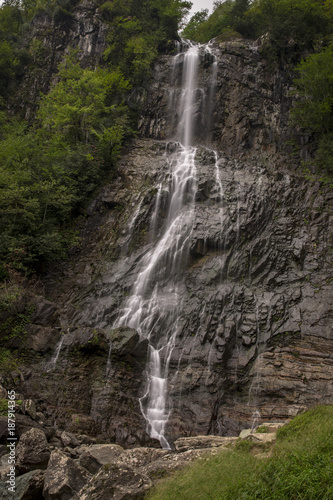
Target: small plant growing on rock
x,y
262,429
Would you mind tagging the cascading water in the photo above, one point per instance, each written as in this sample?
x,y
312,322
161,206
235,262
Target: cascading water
x,y
154,305
53,361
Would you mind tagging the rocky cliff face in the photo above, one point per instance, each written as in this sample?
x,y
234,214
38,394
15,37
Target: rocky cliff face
x,y
52,37
254,335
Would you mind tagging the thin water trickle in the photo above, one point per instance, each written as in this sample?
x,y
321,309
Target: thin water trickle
x,y
134,219
53,361
220,194
154,218
108,363
130,229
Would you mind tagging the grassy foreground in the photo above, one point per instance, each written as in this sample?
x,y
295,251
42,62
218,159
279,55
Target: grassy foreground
x,y
299,468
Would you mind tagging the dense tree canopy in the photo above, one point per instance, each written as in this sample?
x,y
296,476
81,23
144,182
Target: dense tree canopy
x,y
50,167
302,21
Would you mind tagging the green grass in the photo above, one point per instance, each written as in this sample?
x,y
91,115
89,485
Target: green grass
x,y
300,468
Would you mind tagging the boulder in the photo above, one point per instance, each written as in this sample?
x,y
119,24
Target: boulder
x,y
118,482
124,340
86,339
64,477
4,468
43,339
3,450
69,439
28,407
100,454
24,423
245,433
268,437
30,486
32,451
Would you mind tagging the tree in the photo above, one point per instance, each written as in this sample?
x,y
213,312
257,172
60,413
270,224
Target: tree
x,y
192,29
314,87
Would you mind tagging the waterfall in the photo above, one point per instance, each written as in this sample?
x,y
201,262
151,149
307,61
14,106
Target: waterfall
x,y
154,304
185,129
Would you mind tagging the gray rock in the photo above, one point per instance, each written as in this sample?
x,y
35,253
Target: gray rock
x,y
259,277
245,433
3,427
69,439
24,423
30,486
116,482
28,407
64,477
124,340
4,467
97,455
197,442
46,312
32,451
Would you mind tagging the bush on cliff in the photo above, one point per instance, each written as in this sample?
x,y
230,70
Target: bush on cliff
x,y
313,108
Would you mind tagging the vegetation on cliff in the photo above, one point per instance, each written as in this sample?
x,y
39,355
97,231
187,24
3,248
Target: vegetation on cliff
x,y
289,30
51,164
304,22
300,466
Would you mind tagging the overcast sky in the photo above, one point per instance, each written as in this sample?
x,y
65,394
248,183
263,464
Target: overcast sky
x,y
201,4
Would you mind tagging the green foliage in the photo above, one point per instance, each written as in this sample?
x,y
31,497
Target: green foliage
x,y
287,23
8,362
10,295
76,109
3,407
8,65
262,429
48,172
313,109
325,153
314,86
139,31
288,20
193,28
203,28
300,467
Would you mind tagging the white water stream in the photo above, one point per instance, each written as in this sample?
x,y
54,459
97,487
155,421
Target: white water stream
x,y
154,303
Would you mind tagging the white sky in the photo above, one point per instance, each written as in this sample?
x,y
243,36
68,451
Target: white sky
x,y
201,4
